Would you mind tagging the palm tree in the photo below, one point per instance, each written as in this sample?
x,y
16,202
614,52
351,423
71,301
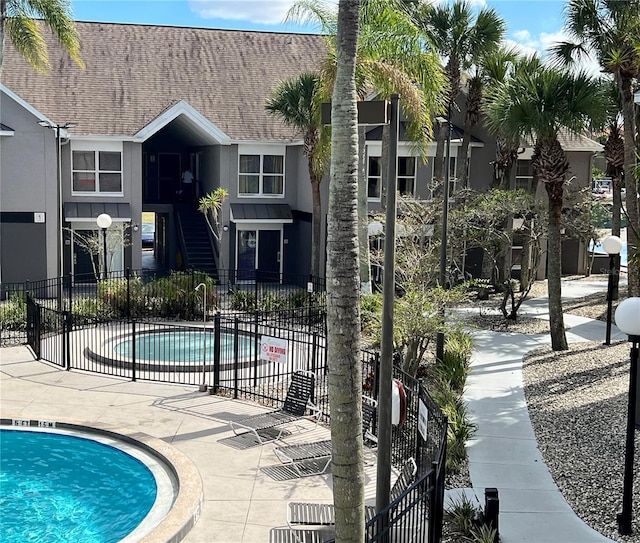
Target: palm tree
x,y
391,59
453,33
537,105
210,205
610,29
18,22
343,287
296,102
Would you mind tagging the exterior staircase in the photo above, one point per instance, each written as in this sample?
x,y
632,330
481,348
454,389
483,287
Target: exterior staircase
x,y
198,248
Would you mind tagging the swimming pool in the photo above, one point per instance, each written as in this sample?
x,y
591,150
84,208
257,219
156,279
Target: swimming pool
x,y
59,486
185,346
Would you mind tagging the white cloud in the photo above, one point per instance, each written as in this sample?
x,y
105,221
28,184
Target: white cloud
x,y
528,44
256,11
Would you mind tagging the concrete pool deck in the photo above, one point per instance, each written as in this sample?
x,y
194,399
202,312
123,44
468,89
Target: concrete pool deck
x,y
241,502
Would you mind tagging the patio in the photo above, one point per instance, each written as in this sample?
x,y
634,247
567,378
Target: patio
x,y
241,502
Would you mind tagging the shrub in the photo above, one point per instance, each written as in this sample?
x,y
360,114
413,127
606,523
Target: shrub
x,y
464,517
454,368
243,300
88,310
175,295
13,313
113,294
370,312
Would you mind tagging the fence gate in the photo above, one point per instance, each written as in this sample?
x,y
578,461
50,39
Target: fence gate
x,y
33,325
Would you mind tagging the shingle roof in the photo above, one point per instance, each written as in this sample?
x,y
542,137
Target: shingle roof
x,y
135,72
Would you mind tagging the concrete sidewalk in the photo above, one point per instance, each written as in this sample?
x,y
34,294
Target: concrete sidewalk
x,y
504,452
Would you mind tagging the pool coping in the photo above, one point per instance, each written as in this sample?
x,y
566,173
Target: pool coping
x,y
189,500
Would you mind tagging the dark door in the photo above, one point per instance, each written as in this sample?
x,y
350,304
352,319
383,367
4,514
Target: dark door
x,y
83,270
168,176
268,255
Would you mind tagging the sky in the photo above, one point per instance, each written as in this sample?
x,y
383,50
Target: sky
x,y
531,24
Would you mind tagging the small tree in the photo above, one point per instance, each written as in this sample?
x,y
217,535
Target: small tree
x,y
210,206
92,243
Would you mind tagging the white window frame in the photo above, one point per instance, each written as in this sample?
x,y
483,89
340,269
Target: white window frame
x,y
413,177
374,150
96,147
453,180
378,177
261,151
520,178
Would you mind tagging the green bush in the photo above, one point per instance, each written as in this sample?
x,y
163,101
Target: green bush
x,y
243,300
463,517
175,295
88,310
455,366
13,313
370,312
113,294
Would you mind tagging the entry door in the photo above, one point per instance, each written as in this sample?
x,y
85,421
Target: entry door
x,y
83,270
246,254
268,255
168,175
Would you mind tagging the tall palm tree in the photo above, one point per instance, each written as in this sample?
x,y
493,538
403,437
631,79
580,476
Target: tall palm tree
x,y
18,22
296,101
391,59
454,34
343,287
537,105
610,29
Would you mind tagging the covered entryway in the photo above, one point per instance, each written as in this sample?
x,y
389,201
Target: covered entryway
x,y
258,243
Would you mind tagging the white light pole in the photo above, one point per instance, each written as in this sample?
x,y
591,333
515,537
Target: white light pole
x,y
104,221
628,320
612,246
203,386
445,220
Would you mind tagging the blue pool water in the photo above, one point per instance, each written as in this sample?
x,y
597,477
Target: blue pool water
x,y
599,250
58,488
183,346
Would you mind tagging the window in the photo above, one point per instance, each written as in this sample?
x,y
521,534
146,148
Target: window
x,y
374,178
435,186
406,175
97,171
524,175
261,175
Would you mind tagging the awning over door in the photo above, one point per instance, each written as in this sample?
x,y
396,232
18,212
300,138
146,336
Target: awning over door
x,y
261,213
89,211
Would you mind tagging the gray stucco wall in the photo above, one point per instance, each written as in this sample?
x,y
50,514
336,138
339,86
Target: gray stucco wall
x,y
28,183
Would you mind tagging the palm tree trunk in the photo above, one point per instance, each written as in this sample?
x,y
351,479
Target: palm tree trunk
x,y
554,268
343,278
363,220
316,228
633,219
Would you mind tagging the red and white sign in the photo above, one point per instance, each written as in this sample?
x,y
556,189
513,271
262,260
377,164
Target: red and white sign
x,y
273,349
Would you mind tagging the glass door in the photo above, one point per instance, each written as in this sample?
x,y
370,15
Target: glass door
x,y
246,255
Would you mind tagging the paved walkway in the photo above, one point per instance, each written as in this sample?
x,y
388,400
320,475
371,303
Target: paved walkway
x,y
504,453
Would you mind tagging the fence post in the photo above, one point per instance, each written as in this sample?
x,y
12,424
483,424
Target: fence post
x,y
70,288
127,274
133,350
236,339
217,345
66,339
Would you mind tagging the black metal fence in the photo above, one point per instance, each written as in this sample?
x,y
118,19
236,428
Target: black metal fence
x,y
164,295
251,355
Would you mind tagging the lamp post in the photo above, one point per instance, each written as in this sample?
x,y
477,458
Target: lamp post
x,y
203,386
60,260
104,222
445,219
628,320
385,373
612,246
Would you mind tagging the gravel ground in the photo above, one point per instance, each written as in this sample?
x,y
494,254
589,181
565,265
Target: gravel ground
x,y
577,401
